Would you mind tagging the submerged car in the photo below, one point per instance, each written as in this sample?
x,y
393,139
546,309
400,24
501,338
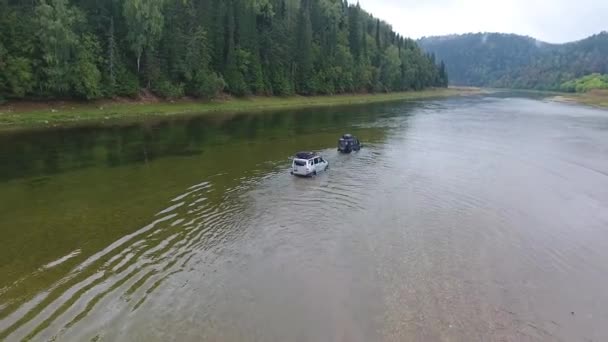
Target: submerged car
x,y
348,143
308,164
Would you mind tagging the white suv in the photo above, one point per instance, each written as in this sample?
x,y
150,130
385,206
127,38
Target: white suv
x,y
308,164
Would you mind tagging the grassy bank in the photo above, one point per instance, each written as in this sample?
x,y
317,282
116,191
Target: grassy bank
x,y
596,98
34,115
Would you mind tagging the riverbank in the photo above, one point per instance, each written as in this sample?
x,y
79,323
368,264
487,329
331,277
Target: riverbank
x,y
595,98
14,116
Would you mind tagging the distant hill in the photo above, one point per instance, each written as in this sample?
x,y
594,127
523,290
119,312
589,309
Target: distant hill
x,y
513,61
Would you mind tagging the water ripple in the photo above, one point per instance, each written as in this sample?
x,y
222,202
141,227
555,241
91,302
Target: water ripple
x,y
132,267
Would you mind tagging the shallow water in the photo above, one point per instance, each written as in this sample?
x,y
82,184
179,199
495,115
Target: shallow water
x,y
480,218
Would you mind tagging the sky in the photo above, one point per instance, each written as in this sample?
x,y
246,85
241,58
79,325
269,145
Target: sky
x,y
553,21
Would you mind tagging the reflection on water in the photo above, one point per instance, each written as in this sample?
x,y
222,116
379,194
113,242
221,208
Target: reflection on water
x,y
42,153
463,219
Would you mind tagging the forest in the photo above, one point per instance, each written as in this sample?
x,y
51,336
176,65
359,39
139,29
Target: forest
x,y
512,61
89,49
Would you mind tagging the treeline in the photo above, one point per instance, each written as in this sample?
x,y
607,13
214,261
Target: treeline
x,y
90,49
512,61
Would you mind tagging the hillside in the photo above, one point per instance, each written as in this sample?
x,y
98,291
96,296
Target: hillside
x,y
512,61
84,49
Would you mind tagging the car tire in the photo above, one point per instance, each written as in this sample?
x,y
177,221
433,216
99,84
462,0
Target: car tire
x,y
314,173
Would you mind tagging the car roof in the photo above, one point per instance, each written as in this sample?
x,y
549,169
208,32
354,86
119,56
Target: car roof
x,y
306,155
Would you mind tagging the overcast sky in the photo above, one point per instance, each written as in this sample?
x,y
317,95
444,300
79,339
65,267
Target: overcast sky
x,y
554,21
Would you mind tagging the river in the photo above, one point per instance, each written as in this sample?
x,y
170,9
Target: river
x,y
480,218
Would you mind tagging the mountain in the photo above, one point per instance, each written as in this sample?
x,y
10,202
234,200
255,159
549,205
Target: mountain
x,y
513,61
104,48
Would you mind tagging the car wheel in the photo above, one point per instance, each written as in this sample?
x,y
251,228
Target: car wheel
x,y
314,173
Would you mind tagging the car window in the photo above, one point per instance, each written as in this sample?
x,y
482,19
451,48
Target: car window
x,y
299,163
316,160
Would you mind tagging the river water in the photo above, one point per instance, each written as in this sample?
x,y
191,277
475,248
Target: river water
x,y
465,219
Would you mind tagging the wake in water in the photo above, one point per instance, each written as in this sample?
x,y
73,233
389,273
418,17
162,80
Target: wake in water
x,y
122,276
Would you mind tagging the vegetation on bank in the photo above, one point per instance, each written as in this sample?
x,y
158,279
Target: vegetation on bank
x,y
512,61
595,98
590,90
24,116
585,84
83,49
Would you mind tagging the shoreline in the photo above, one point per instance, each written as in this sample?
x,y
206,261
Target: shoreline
x,y
596,99
40,115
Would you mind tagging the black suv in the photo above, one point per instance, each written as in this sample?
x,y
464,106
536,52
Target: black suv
x,y
348,143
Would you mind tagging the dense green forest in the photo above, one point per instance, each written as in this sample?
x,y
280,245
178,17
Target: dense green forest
x,y
512,61
90,49
587,83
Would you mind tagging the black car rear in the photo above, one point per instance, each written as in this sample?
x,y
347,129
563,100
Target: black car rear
x,y
348,144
